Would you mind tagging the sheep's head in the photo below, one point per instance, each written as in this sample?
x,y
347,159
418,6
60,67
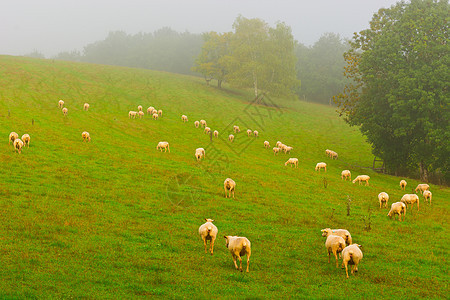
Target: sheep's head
x,y
326,232
227,238
209,220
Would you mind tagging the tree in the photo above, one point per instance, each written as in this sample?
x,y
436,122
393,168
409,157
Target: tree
x,y
399,90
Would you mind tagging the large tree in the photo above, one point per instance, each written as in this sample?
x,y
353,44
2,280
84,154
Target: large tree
x,y
399,90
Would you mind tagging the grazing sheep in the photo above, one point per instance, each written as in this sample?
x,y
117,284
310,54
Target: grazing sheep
x,y
320,166
333,155
155,116
351,255
139,107
239,246
208,231
403,184
196,124
163,145
12,136
327,152
410,199
276,150
199,153
231,138
229,186
86,106
132,113
216,133
266,144
60,104
236,129
207,130
282,147
65,110
360,178
343,233
184,118
287,149
255,133
150,110
426,194
141,114
249,132
26,140
203,123
278,144
397,208
292,161
422,187
160,112
346,174
383,197
86,136
18,145
334,244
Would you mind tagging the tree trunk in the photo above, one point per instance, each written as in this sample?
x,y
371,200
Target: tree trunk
x,y
423,172
219,83
255,85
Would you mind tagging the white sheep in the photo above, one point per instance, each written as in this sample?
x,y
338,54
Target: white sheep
x,y
231,138
132,113
410,199
239,246
207,130
334,244
155,116
327,152
208,231
86,136
65,110
383,197
276,150
278,144
266,144
229,186
403,184
361,178
163,145
320,166
141,114
256,133
426,194
287,149
26,140
343,233
422,187
139,107
282,147
351,255
160,112
18,145
150,110
154,112
60,104
249,132
236,129
199,153
397,208
216,133
196,124
292,161
346,174
12,136
86,106
184,118
203,123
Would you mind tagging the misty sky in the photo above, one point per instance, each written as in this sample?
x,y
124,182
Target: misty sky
x,y
52,26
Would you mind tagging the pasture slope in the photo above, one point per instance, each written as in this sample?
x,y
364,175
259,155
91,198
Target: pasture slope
x,y
114,218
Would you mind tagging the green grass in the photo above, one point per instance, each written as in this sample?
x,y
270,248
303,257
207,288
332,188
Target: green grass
x,y
115,218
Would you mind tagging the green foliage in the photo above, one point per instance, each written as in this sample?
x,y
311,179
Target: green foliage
x,y
399,95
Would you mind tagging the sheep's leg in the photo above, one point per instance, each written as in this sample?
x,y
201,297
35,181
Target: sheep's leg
x,y
240,263
204,242
346,269
328,256
248,261
233,194
335,255
235,264
225,192
212,245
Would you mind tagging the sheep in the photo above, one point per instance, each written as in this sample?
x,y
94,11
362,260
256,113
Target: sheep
x,y
410,199
276,150
18,144
255,133
266,144
141,114
216,133
155,116
278,144
398,208
426,194
383,197
236,129
249,132
65,110
86,136
163,145
320,166
360,178
139,107
208,231
334,155
154,112
184,118
422,187
150,110
327,152
12,136
229,186
26,140
199,153
132,113
60,104
160,112
403,184
231,138
346,174
239,246
203,123
292,161
86,106
334,244
282,146
351,255
287,149
207,130
343,233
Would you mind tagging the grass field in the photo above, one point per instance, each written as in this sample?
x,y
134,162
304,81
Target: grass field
x,y
114,218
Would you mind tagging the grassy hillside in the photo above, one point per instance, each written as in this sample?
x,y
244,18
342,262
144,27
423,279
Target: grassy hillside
x,y
114,218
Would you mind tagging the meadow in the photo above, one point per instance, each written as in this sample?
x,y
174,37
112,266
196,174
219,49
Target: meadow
x,y
115,218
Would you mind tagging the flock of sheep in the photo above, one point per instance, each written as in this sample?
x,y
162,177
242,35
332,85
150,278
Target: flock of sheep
x,y
338,241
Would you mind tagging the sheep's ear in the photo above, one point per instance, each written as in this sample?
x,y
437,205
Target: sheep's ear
x,y
359,245
206,220
225,237
212,220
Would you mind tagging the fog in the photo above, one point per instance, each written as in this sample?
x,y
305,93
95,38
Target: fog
x,y
53,26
